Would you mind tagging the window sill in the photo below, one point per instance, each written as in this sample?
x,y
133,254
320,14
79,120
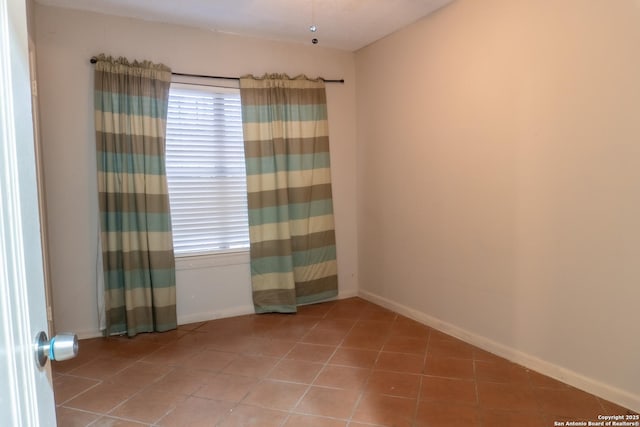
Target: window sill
x,y
194,262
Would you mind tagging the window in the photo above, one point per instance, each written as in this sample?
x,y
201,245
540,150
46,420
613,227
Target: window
x,y
206,170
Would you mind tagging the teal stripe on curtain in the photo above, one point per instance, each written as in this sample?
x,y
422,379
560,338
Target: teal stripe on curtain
x,y
131,101
132,163
162,278
136,221
285,263
287,160
118,103
290,212
295,113
273,264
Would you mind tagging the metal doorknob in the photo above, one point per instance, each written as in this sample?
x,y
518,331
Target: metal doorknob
x,y
61,347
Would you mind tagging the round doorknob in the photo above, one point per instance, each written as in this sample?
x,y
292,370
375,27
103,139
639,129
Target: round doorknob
x,y
61,347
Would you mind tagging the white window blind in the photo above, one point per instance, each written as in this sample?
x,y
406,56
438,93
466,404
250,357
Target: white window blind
x,y
206,170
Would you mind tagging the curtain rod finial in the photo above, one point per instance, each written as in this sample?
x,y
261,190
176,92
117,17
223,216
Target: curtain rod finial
x,y
93,60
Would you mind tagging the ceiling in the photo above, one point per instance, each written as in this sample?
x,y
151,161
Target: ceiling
x,y
343,24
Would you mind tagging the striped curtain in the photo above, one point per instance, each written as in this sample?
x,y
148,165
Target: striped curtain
x,y
291,228
137,248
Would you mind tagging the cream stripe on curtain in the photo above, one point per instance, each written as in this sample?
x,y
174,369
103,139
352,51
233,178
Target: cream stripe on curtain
x,y
291,227
137,246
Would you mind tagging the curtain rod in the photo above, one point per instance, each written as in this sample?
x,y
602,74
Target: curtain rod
x,y
93,60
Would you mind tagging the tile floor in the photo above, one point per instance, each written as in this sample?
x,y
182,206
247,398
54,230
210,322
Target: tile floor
x,y
338,364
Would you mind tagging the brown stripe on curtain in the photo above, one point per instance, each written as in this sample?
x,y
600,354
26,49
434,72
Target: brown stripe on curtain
x,y
132,144
131,202
288,146
263,199
271,248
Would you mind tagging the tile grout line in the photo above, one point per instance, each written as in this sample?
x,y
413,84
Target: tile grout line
x,y
261,380
324,365
365,383
144,389
531,387
414,421
475,386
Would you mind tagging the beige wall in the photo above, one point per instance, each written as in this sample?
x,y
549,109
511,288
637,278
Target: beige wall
x,y
65,41
499,182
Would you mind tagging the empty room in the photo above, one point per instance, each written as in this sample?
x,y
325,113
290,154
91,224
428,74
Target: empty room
x,y
338,212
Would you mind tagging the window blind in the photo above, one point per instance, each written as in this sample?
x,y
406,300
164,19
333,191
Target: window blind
x,y
206,170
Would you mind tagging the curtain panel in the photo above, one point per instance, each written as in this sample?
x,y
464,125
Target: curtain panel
x,y
291,224
137,248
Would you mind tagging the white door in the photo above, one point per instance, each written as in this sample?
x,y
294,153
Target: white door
x,y
26,393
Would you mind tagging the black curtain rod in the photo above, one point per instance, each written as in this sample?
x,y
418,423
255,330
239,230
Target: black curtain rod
x,y
93,60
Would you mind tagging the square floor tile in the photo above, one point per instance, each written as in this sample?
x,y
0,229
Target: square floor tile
x,y
68,386
328,402
507,396
448,390
502,418
197,412
296,420
357,358
212,361
450,347
116,422
311,352
502,372
405,327
102,368
297,371
364,340
385,410
324,336
432,414
268,347
102,398
182,381
74,418
229,387
393,384
141,374
400,362
402,344
252,366
275,395
569,403
449,367
148,405
246,416
344,377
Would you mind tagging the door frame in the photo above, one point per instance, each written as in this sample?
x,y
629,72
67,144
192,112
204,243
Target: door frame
x,y
26,391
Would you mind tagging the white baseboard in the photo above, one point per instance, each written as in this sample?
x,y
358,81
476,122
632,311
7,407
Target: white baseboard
x,y
209,315
348,294
240,310
186,319
236,311
85,335
575,379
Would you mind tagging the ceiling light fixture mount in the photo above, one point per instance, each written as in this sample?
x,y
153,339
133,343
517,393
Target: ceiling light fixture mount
x,y
313,27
